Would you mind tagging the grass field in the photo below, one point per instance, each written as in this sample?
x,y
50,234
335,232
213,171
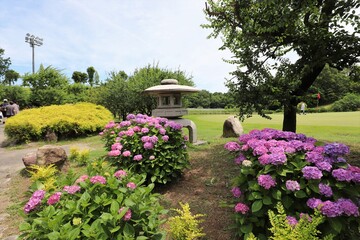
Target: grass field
x,y
335,127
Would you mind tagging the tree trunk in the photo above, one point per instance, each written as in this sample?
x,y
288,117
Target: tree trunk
x,y
289,122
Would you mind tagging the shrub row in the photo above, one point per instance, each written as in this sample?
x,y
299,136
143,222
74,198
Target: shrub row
x,y
67,120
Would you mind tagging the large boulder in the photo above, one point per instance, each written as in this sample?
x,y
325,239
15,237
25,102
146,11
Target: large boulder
x,y
47,155
232,127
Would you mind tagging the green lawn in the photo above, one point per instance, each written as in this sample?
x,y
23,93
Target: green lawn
x,y
335,127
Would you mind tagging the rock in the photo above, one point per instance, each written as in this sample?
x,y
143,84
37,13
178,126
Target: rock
x,y
50,136
29,159
45,156
232,127
48,154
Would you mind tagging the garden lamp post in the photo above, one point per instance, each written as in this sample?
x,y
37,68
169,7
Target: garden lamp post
x,y
33,41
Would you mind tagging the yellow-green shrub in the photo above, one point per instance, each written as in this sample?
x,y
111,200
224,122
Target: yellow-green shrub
x,y
67,120
81,157
185,226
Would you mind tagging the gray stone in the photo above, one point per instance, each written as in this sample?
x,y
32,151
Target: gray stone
x,y
29,159
45,156
48,154
232,127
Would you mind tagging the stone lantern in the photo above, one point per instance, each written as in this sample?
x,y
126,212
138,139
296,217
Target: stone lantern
x,y
169,103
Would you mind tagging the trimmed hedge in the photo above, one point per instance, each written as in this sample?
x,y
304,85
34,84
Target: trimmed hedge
x,y
69,120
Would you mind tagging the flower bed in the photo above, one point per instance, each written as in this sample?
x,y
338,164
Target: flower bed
x,y
95,207
144,144
293,169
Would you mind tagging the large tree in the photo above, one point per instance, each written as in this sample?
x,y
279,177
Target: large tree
x,y
263,34
11,76
48,86
4,63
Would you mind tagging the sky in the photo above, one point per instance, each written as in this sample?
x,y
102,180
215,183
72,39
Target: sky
x,y
114,35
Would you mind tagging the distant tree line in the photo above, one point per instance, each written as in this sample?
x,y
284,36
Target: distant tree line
x,y
122,93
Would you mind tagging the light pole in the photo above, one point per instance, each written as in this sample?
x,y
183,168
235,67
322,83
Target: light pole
x,y
33,41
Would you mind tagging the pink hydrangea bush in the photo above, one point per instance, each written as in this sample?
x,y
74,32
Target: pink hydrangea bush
x,y
149,145
118,206
300,173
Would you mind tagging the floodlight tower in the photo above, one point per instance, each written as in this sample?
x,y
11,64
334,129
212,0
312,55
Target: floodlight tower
x,y
33,41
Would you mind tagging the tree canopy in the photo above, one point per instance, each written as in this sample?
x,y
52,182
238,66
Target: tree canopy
x,y
4,63
263,35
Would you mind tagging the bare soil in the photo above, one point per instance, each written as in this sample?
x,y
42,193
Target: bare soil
x,y
206,187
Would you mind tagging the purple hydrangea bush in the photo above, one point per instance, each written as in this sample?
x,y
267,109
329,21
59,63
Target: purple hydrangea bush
x,y
279,166
155,146
116,206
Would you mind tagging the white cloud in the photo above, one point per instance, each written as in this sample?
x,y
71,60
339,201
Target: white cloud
x,y
114,35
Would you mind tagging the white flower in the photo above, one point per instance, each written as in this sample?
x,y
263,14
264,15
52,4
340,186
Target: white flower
x,y
247,163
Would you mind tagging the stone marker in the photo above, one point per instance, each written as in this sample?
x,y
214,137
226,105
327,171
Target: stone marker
x,y
232,127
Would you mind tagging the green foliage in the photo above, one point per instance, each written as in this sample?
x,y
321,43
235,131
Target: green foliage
x,y
306,228
93,76
16,93
96,208
122,94
69,120
81,157
185,226
261,35
351,102
11,76
154,146
47,86
79,77
43,177
4,63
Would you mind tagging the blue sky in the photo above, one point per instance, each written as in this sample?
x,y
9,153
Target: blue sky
x,y
114,35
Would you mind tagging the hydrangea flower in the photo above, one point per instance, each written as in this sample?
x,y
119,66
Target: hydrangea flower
x,y
120,174
114,153
348,207
34,201
165,138
292,221
98,179
54,198
232,146
236,192
266,181
144,130
72,189
246,163
138,157
148,145
336,149
127,215
82,178
311,172
313,202
126,153
292,185
131,185
325,190
330,209
342,175
241,208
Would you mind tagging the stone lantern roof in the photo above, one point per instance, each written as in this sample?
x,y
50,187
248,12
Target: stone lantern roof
x,y
170,86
